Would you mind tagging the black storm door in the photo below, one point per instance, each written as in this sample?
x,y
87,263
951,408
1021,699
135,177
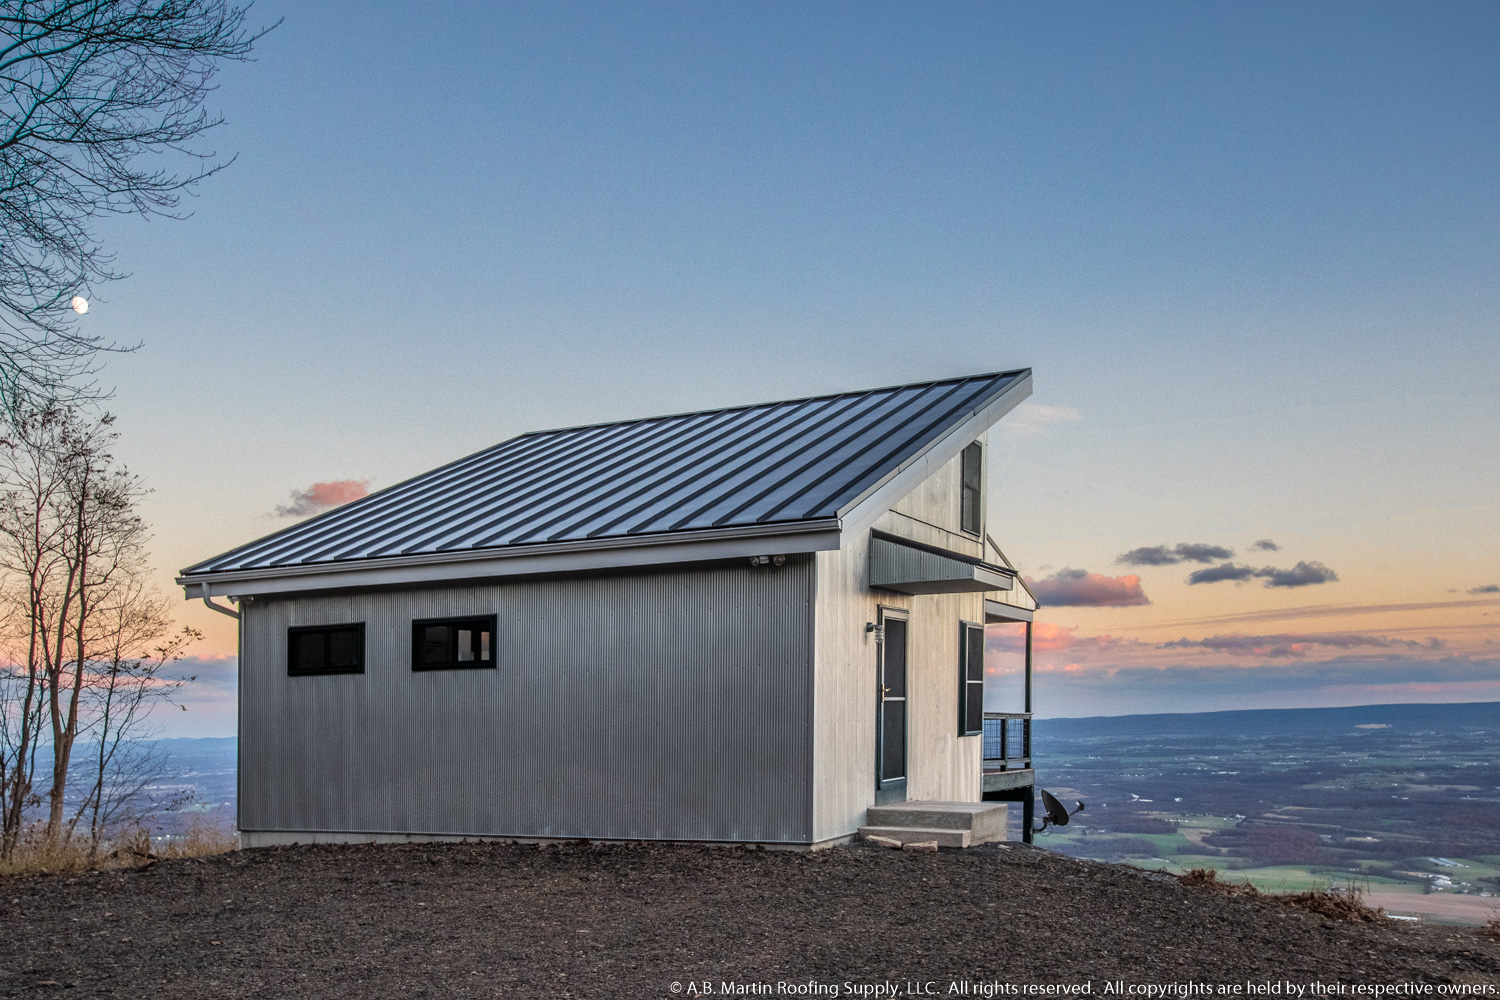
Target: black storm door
x,y
891,711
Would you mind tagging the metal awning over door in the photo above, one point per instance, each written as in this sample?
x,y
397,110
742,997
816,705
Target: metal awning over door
x,y
912,568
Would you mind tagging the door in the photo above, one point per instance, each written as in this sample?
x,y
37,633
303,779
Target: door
x,y
890,698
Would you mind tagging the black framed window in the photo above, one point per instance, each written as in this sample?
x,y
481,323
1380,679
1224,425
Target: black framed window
x,y
325,649
453,643
970,679
970,506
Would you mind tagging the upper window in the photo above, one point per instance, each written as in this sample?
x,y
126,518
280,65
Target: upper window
x,y
453,643
970,679
970,507
326,649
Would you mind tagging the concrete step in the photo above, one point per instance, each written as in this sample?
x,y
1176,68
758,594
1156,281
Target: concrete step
x,y
918,835
982,821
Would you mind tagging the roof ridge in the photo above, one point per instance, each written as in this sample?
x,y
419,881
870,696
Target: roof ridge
x,y
770,402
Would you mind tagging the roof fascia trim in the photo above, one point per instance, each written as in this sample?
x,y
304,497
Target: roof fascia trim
x,y
809,536
863,512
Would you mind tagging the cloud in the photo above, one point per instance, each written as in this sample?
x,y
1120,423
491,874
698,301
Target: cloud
x,y
1299,644
1080,588
1075,689
1195,552
1489,588
1266,545
213,677
1154,555
1317,611
1214,574
323,496
1030,419
1049,637
1161,555
1304,574
1229,678
205,706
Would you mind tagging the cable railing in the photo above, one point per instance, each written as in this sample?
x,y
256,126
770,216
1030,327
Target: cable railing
x,y
1007,741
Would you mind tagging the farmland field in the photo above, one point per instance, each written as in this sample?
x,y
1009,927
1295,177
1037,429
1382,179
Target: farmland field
x,y
1396,800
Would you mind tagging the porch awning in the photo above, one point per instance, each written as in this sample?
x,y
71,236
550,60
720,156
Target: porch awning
x,y
999,611
912,568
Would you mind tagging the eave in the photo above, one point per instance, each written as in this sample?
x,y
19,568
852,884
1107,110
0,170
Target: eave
x,y
522,560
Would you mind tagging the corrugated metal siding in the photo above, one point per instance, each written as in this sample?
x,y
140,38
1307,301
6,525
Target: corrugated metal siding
x,y
671,705
773,463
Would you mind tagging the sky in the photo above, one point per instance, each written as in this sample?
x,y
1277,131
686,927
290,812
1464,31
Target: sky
x,y
1249,252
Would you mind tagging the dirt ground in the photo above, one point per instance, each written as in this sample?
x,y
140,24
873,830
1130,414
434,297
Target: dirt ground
x,y
492,920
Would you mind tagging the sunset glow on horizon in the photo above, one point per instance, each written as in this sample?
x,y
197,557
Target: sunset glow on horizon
x,y
1252,262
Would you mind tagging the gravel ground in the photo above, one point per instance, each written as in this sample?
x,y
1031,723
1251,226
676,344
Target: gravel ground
x,y
486,920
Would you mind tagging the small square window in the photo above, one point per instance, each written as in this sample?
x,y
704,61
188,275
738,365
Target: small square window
x,y
325,649
453,643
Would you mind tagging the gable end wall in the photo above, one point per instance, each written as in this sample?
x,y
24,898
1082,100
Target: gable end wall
x,y
941,765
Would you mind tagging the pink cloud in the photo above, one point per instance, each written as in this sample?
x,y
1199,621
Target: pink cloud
x,y
1080,588
323,496
1299,644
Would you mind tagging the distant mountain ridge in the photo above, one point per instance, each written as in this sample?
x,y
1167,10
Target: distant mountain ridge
x,y
1417,717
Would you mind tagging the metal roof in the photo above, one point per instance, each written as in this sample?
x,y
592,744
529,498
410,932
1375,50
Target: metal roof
x,y
741,467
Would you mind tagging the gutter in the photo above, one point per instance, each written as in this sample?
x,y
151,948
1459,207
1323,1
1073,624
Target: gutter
x,y
208,600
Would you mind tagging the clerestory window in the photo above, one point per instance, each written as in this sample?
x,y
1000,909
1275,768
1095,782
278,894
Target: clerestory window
x,y
971,507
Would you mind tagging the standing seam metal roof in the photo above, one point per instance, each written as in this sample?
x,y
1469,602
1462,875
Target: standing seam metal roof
x,y
771,463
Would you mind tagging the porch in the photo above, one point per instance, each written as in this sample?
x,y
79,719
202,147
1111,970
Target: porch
x,y
1008,772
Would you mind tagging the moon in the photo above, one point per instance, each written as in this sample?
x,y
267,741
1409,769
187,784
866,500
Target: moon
x,y
80,304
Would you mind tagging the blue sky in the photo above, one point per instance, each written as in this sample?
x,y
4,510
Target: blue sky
x,y
1249,251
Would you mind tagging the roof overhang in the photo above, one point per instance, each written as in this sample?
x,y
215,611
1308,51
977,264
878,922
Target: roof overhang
x,y
998,611
521,560
851,520
908,568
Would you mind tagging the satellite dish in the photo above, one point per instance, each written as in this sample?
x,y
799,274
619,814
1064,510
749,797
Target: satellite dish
x,y
1056,814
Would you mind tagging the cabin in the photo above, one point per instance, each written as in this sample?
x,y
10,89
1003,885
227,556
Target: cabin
x,y
757,625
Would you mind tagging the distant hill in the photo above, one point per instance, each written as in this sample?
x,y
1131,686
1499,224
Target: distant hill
x,y
1274,721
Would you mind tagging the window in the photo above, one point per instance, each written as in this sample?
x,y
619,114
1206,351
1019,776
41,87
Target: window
x,y
326,649
970,679
453,643
970,506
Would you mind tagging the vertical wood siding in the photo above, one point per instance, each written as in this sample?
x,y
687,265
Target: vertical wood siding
x,y
672,705
941,765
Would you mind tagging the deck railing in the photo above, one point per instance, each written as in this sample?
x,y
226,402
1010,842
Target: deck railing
x,y
1007,741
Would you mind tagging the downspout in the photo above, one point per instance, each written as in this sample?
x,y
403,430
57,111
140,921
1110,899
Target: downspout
x,y
218,607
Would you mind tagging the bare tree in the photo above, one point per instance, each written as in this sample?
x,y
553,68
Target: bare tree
x,y
124,680
20,725
86,637
74,549
31,555
103,544
92,93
